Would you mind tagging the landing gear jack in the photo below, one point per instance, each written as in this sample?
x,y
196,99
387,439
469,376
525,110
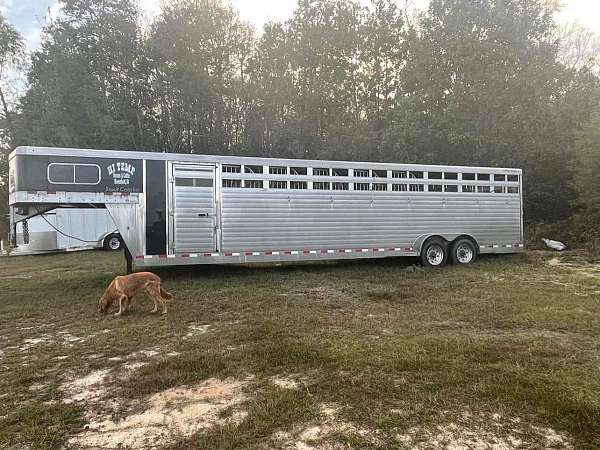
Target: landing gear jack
x,y
128,260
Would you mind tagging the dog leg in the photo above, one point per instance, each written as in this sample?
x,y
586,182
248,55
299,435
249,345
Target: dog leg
x,y
128,303
151,292
118,314
155,309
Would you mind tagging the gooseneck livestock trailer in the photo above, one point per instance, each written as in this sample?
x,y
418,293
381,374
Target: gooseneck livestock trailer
x,y
176,209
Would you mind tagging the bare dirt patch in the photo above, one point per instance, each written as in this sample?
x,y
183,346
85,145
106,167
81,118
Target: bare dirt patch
x,y
313,435
87,388
285,382
63,338
195,330
492,432
168,415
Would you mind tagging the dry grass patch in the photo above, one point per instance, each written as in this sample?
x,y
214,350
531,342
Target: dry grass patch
x,y
365,354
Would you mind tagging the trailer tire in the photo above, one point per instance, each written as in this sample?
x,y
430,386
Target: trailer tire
x,y
463,252
113,243
434,253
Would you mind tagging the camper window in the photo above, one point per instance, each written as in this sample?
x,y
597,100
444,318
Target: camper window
x,y
67,173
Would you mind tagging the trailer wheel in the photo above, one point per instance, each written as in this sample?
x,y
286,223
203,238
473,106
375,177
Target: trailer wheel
x,y
434,253
113,243
463,252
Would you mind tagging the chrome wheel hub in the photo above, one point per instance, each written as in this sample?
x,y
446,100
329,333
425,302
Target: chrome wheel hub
x,y
435,255
464,254
114,243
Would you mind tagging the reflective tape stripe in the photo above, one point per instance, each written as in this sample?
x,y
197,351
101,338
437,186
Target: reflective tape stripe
x,y
294,252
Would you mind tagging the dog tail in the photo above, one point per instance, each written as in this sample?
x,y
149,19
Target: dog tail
x,y
165,295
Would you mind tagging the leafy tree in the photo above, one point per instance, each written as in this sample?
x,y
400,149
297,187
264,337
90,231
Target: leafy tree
x,y
200,52
579,47
469,82
327,78
85,85
587,170
12,50
385,50
484,87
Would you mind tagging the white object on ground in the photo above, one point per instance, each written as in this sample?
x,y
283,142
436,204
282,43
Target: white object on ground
x,y
555,245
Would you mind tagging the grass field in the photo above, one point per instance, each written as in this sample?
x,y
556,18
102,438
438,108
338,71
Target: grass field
x,y
369,354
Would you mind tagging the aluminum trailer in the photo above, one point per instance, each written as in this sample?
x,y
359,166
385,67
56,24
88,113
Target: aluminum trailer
x,y
177,209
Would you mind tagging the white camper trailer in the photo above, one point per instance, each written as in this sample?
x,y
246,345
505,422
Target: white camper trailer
x,y
175,209
67,229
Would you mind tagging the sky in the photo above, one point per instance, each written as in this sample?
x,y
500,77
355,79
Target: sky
x,y
29,16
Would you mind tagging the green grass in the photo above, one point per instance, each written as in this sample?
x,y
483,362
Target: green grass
x,y
392,349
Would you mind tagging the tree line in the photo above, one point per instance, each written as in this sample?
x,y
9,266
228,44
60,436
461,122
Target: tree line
x,y
469,82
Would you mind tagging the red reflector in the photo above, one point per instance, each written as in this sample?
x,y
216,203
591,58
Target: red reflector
x,y
208,254
306,252
248,253
162,256
288,252
185,255
139,257
269,253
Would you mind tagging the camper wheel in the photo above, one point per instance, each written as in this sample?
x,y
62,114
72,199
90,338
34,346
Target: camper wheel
x,y
113,242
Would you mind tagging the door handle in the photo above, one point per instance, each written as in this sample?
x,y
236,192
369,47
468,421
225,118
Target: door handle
x,y
205,214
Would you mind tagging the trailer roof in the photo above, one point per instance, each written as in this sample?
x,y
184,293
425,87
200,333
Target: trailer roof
x,y
186,157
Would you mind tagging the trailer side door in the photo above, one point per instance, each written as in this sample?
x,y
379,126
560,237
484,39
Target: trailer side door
x,y
194,213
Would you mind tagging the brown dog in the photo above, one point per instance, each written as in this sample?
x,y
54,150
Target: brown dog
x,y
123,289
